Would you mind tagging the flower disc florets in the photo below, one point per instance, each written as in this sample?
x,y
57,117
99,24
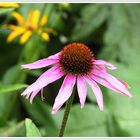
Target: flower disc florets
x,y
76,58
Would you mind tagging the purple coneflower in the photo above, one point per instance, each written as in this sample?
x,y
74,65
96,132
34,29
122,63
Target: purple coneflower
x,y
77,63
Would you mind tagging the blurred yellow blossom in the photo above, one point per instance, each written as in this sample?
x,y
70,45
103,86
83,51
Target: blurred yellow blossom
x,y
27,27
9,5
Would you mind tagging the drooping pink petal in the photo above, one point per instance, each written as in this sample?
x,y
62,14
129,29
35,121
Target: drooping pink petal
x,y
43,81
105,83
45,74
49,71
82,90
104,63
27,95
97,91
113,81
124,83
33,95
64,92
43,62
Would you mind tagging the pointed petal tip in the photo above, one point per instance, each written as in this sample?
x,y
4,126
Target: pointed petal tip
x,y
130,96
82,106
22,94
31,102
23,67
113,68
27,97
53,112
102,109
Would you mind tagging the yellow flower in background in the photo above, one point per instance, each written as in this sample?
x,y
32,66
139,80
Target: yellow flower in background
x,y
26,28
9,5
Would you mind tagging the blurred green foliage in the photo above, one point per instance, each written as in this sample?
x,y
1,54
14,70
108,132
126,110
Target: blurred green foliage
x,y
112,32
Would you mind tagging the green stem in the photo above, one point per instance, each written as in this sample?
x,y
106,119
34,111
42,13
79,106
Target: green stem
x,y
66,114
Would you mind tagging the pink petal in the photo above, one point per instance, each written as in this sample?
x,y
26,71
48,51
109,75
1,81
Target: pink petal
x,y
97,91
113,81
64,92
104,63
27,95
45,74
49,71
43,62
82,90
44,80
124,83
33,95
105,83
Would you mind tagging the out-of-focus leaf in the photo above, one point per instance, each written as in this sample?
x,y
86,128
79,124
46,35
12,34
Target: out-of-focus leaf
x,y
7,101
16,130
3,121
28,49
5,10
125,111
31,129
41,114
113,127
89,121
25,8
12,75
92,16
122,35
11,88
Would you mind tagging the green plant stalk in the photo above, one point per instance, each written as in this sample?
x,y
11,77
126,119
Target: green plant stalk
x,y
66,114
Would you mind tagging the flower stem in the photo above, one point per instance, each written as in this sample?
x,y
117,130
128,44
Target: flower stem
x,y
66,114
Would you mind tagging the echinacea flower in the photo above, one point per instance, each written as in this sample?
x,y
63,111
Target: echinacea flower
x,y
28,27
77,64
9,5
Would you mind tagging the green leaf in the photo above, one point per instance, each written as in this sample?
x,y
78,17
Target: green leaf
x,y
89,121
6,10
12,75
40,112
10,88
88,23
121,38
13,129
125,111
31,129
